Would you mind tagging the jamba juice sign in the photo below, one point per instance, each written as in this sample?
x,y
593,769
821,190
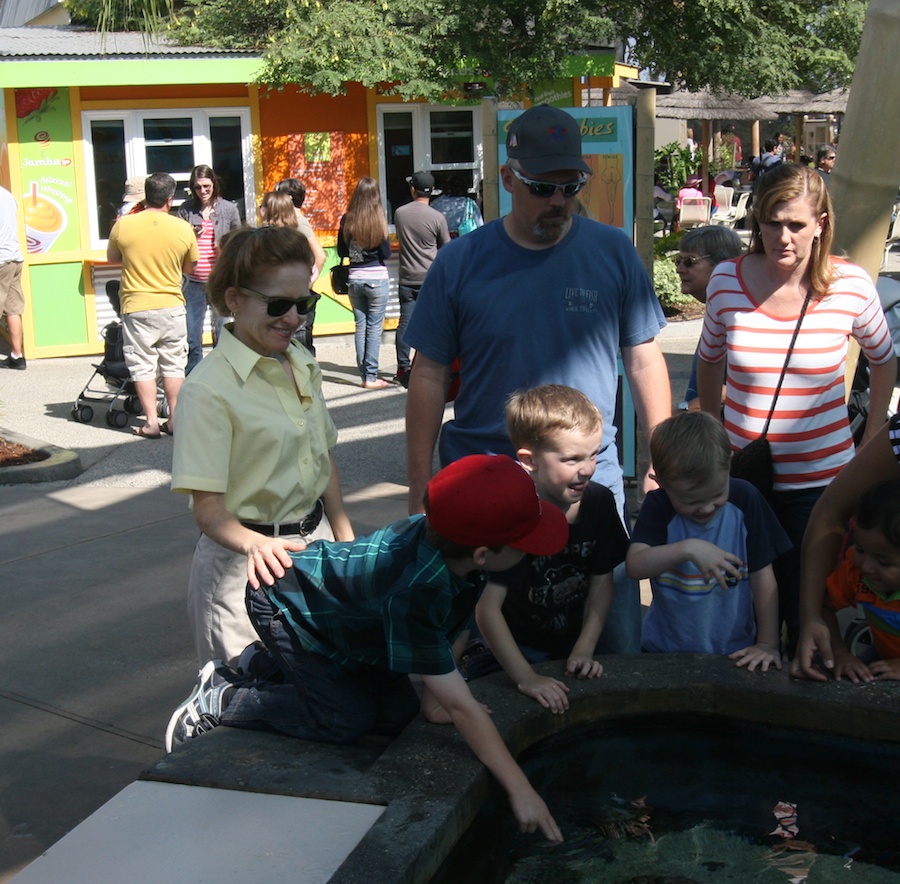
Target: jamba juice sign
x,y
48,174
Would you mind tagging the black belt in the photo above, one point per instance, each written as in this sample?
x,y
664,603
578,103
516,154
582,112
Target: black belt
x,y
305,526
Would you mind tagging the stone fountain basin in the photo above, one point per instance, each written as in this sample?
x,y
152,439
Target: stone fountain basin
x,y
432,786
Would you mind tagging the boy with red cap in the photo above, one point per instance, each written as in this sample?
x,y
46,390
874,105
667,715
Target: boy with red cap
x,y
351,621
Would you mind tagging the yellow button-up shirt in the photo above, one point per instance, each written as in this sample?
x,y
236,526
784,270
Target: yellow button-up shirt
x,y
244,432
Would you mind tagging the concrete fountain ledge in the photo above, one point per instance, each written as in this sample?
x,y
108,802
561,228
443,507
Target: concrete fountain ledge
x,y
60,463
432,786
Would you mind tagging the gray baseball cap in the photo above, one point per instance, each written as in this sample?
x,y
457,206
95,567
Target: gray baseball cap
x,y
546,139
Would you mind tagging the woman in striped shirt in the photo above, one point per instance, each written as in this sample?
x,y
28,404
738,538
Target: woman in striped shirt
x,y
212,217
753,306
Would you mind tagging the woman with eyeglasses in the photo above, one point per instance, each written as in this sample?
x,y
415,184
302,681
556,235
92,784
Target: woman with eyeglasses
x,y
788,284
363,238
826,156
254,440
700,250
212,217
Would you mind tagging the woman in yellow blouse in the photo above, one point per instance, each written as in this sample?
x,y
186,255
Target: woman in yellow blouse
x,y
254,440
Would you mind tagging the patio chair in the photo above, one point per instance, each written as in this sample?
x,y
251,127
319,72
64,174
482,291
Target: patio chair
x,y
694,212
734,214
666,213
724,198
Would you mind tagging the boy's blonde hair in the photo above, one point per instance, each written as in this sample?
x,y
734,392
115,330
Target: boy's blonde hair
x,y
689,447
535,416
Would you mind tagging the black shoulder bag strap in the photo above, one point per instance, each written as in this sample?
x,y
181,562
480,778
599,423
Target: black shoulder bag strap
x,y
786,360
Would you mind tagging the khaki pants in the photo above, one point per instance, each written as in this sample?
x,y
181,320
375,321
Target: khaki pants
x,y
216,609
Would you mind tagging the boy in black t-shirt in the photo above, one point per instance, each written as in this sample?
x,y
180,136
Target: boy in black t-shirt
x,y
553,607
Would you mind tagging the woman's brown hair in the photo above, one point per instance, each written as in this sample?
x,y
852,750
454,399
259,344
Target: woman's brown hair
x,y
785,182
277,210
245,253
365,222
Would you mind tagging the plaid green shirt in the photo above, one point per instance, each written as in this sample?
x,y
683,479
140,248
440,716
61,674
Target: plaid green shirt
x,y
386,601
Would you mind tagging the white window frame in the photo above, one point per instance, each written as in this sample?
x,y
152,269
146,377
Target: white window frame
x,y
135,153
421,126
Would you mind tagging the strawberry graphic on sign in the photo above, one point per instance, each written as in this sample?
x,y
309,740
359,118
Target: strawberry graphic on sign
x,y
31,103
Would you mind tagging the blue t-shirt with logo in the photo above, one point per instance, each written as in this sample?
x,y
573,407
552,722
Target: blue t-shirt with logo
x,y
517,318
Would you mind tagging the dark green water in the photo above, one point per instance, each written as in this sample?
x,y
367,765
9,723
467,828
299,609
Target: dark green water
x,y
673,800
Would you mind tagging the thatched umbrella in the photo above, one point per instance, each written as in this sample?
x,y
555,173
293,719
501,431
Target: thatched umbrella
x,y
801,102
705,105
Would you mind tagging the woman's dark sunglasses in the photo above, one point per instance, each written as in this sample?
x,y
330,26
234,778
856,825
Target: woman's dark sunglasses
x,y
280,306
688,260
548,188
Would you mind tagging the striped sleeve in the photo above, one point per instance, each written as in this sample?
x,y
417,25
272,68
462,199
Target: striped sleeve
x,y
723,285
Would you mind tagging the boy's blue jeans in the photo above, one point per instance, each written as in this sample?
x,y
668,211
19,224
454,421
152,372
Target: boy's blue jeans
x,y
318,700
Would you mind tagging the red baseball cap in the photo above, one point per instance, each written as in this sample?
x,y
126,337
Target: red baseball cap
x,y
489,500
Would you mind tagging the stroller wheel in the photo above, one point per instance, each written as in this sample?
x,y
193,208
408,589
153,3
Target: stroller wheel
x,y
162,408
117,419
858,637
133,405
82,414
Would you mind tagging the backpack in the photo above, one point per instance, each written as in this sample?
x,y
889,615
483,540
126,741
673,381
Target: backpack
x,y
761,165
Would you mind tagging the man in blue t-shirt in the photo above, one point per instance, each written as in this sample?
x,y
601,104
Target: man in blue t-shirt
x,y
540,296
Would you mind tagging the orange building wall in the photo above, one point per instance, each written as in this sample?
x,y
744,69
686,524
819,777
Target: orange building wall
x,y
331,162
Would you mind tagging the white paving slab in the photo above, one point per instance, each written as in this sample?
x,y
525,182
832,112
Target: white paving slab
x,y
153,832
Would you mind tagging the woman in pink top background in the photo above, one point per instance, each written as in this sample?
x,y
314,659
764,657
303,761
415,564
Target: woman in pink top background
x,y
753,306
212,217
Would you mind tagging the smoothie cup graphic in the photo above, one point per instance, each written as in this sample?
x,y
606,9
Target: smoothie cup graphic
x,y
45,220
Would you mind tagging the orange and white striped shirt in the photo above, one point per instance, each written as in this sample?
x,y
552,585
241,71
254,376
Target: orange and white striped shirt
x,y
809,434
206,245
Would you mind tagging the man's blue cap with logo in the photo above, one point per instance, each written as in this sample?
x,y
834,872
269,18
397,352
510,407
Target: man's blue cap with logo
x,y
546,139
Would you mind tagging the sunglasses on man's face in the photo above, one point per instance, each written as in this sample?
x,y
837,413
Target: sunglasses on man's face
x,y
688,260
548,188
280,306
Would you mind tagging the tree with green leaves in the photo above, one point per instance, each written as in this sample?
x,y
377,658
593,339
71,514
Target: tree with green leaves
x,y
424,48
751,47
149,16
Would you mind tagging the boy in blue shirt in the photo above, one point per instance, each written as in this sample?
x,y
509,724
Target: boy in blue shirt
x,y
351,621
707,543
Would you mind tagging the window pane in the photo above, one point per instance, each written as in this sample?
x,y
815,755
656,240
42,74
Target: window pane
x,y
176,159
452,138
398,159
227,160
169,146
110,172
167,130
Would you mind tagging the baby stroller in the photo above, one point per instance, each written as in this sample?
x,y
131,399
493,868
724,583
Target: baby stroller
x,y
116,389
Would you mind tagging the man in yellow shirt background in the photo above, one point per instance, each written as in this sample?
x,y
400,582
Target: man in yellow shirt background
x,y
155,249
